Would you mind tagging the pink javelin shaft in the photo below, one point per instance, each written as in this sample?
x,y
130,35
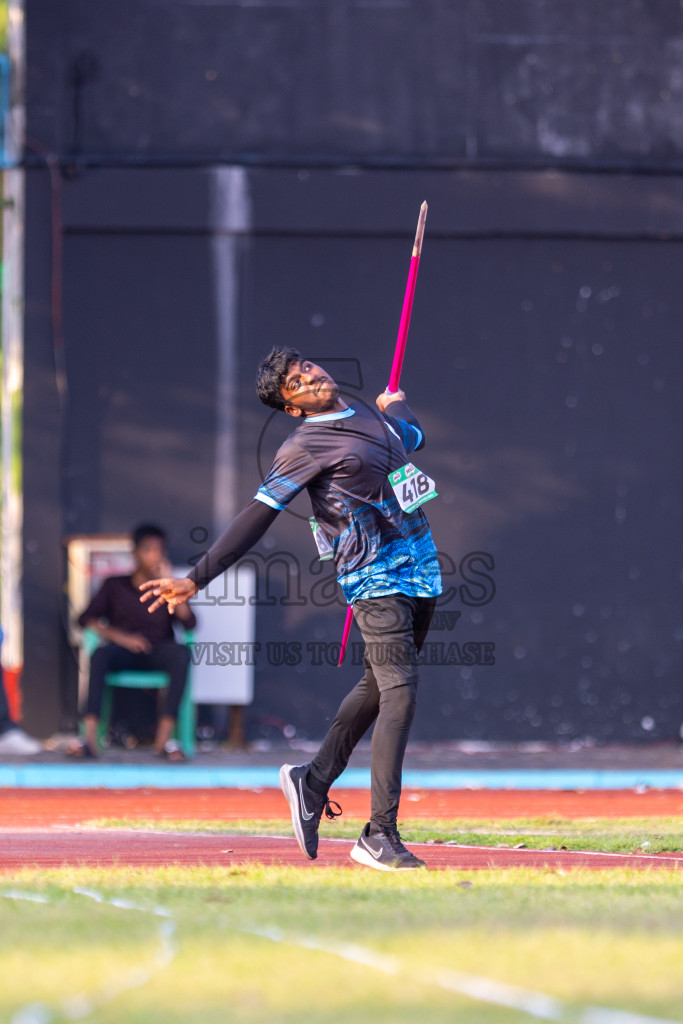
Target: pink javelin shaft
x,y
345,635
397,365
400,350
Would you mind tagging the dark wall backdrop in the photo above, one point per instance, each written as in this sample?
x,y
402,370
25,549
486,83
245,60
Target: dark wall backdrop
x,y
422,80
544,350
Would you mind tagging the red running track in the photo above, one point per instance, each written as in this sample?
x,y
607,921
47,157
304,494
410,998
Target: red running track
x,y
49,828
36,807
40,849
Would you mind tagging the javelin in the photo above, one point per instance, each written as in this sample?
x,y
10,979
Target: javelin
x,y
397,364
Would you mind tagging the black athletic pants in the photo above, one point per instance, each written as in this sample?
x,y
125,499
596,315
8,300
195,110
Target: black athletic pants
x,y
394,629
169,657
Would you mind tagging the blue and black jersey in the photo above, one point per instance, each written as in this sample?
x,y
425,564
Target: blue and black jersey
x,y
343,460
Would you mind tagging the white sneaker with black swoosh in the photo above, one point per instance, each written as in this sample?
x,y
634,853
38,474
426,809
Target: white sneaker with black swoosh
x,y
306,806
384,851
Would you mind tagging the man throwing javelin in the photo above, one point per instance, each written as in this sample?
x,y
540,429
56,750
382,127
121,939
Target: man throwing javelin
x,y
347,457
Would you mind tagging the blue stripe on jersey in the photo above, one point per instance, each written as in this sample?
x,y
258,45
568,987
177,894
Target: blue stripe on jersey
x,y
267,500
410,436
395,572
344,414
277,491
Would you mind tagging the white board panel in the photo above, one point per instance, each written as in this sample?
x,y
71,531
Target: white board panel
x,y
223,650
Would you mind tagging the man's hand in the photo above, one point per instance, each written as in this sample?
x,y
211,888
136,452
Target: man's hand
x,y
387,397
171,592
181,611
134,642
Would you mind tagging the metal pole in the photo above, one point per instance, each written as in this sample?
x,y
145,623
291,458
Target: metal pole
x,y
11,606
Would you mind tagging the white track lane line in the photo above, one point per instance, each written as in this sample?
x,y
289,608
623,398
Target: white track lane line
x,y
658,857
82,1005
485,990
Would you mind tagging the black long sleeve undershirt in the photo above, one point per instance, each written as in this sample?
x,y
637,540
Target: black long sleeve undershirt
x,y
244,531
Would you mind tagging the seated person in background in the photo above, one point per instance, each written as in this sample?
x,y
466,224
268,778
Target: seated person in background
x,y
135,641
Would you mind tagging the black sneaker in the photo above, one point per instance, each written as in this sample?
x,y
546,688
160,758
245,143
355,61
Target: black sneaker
x,y
384,851
306,806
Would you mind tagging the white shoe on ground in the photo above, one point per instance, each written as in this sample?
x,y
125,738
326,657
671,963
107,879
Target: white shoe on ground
x,y
18,744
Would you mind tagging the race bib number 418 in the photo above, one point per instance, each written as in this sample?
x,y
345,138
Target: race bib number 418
x,y
412,487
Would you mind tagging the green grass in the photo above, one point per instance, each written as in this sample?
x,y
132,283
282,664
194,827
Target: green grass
x,y
609,835
610,939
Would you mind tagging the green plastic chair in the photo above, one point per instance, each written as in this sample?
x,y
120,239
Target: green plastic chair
x,y
186,724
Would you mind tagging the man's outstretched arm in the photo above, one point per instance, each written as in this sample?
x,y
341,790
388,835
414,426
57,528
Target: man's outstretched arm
x,y
244,531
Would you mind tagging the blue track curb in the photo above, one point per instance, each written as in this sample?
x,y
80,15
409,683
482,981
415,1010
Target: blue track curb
x,y
42,776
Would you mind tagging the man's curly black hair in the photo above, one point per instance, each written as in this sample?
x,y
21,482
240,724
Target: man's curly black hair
x,y
272,373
